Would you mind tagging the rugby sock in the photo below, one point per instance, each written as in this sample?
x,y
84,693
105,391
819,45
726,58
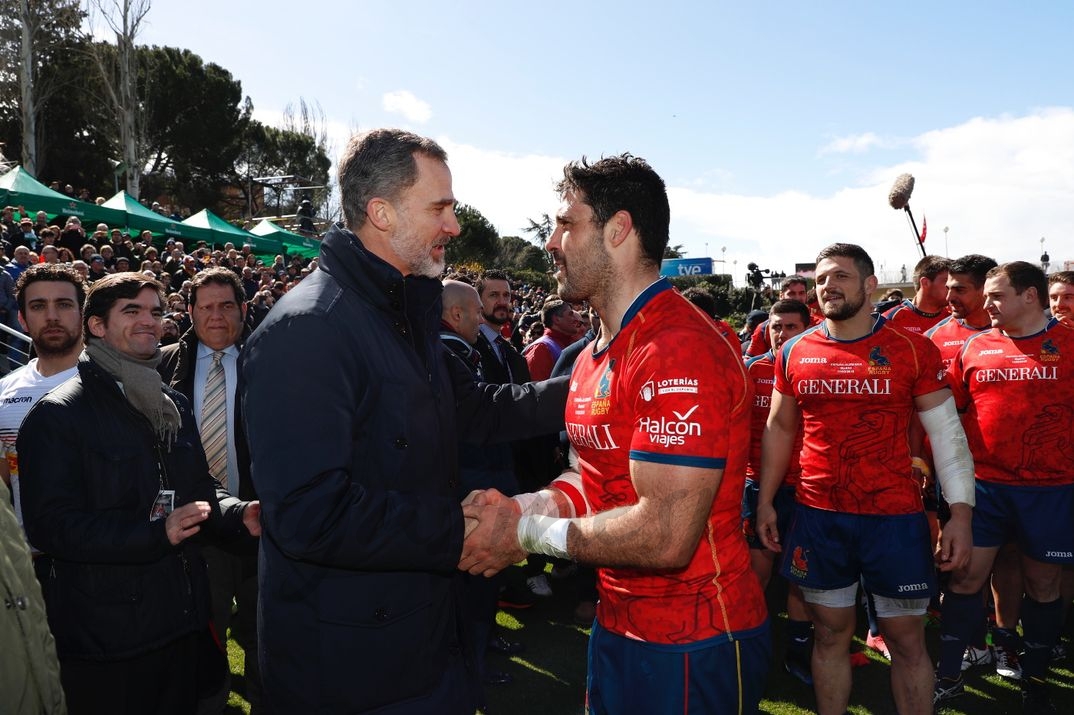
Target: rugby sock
x,y
799,637
979,639
1007,638
960,616
1040,631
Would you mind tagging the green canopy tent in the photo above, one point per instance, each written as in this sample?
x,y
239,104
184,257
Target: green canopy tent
x,y
140,218
19,188
222,232
295,244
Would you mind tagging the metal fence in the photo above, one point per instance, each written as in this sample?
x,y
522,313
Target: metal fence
x,y
16,345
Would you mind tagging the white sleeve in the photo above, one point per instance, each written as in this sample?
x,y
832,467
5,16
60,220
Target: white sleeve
x,y
950,452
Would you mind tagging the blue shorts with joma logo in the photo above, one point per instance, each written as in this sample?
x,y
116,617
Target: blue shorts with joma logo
x,y
890,554
1039,519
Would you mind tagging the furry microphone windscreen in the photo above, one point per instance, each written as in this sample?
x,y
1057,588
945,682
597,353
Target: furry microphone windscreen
x,y
900,191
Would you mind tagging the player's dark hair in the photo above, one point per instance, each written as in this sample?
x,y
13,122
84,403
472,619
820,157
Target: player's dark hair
x,y
795,280
861,259
973,265
930,267
1024,276
624,183
1066,277
789,305
56,272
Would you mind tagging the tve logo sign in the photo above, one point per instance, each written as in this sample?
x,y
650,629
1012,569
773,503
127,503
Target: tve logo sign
x,y
671,267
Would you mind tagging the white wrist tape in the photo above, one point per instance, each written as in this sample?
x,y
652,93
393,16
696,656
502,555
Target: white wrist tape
x,y
544,535
950,452
542,503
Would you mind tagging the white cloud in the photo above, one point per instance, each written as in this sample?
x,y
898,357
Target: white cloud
x,y
999,184
506,188
269,117
403,102
854,144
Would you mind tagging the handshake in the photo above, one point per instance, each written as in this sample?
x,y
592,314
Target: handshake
x,y
502,530
491,542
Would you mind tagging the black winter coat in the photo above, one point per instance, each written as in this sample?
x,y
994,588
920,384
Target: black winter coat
x,y
89,472
353,411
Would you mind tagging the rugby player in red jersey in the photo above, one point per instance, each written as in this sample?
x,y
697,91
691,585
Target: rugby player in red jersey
x,y
965,297
658,413
929,305
854,382
787,318
1061,304
1061,295
1015,384
794,288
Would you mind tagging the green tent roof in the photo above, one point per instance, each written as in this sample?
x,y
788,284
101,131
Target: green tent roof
x,y
18,188
221,232
144,219
296,244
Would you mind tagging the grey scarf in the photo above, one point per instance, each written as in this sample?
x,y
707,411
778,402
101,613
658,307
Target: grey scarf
x,y
141,384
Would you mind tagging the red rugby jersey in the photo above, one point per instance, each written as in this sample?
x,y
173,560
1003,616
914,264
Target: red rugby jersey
x,y
762,373
669,389
907,316
1018,397
949,335
856,399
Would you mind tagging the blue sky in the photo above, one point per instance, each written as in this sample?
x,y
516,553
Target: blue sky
x,y
778,127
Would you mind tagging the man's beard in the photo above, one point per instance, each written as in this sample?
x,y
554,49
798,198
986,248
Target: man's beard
x,y
492,319
415,254
45,348
848,309
586,276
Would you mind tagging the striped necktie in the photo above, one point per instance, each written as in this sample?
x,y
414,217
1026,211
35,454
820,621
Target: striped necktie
x,y
214,419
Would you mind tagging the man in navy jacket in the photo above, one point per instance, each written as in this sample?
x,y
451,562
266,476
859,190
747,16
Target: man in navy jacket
x,y
356,464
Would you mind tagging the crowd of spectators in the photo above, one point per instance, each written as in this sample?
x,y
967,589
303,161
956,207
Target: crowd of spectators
x,y
527,303
27,239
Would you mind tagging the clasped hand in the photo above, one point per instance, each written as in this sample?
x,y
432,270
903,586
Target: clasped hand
x,y
491,537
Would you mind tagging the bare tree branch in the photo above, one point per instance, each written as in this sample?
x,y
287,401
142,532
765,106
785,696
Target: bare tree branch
x,y
124,18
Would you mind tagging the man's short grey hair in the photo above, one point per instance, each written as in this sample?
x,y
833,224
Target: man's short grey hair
x,y
380,164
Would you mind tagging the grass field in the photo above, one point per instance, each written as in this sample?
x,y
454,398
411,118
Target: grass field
x,y
549,677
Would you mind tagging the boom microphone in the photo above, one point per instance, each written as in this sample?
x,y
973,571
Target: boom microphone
x,y
899,198
900,191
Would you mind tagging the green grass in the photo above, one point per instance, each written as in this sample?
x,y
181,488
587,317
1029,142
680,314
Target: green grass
x,y
236,657
549,676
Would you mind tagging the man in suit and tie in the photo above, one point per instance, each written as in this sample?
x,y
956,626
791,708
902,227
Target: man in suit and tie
x,y
535,459
501,362
203,366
